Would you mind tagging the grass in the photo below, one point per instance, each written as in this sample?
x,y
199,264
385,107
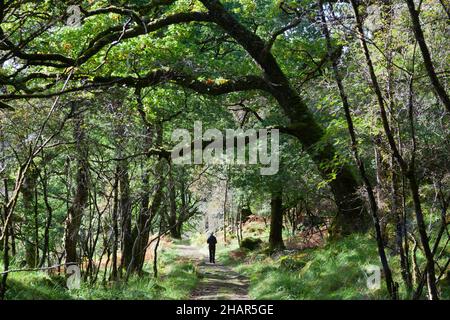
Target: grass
x,y
177,279
335,271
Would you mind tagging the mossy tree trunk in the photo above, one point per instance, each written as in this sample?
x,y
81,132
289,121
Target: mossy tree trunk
x,y
75,212
173,220
276,221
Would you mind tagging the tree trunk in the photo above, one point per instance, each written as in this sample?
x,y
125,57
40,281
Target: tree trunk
x,y
225,205
75,212
115,227
351,213
276,221
29,205
145,226
142,228
155,251
125,213
184,210
5,245
390,284
400,236
141,232
418,33
407,170
400,232
172,219
45,247
124,198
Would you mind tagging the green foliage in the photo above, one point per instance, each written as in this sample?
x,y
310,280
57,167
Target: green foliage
x,y
335,271
208,54
177,281
332,272
251,243
293,262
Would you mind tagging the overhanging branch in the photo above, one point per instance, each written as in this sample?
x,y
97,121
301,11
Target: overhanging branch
x,y
156,77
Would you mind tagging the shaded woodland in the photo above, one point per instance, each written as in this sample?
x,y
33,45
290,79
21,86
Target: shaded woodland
x,y
91,91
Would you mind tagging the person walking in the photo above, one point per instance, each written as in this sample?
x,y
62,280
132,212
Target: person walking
x,y
212,241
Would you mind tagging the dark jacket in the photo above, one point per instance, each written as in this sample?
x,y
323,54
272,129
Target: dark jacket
x,y
211,241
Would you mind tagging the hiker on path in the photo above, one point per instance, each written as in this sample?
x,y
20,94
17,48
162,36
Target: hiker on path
x,y
212,241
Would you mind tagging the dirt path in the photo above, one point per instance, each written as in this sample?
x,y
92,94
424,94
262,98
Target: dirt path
x,y
218,282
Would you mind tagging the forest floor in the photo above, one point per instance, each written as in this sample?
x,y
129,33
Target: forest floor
x,y
217,281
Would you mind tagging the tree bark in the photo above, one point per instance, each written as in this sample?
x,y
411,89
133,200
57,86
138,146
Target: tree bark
x,y
175,231
225,205
155,251
125,213
76,210
391,286
5,245
400,232
418,33
46,245
351,213
276,221
407,171
115,226
28,193
141,232
145,224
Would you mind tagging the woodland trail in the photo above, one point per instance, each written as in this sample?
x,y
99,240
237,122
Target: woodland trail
x,y
218,282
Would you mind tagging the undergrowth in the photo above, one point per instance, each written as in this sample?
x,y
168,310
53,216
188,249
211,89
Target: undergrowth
x,y
335,271
176,281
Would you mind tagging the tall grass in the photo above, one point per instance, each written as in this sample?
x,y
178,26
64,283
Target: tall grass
x,y
177,279
335,271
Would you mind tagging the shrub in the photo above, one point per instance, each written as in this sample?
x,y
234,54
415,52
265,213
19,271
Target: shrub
x,y
251,243
293,262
